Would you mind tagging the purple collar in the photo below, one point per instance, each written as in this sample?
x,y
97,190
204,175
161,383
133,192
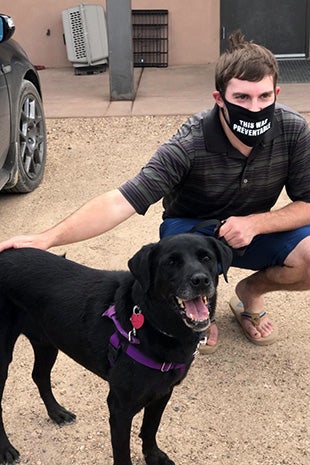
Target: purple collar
x,y
128,346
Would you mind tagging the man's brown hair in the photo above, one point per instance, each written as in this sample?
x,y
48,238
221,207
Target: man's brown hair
x,y
246,61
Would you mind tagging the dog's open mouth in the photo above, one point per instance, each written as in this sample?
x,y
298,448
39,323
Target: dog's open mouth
x,y
195,312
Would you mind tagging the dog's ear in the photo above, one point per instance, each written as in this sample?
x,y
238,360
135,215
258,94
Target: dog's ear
x,y
224,256
140,265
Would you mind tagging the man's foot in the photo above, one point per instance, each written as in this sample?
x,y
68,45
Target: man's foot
x,y
257,326
253,304
210,346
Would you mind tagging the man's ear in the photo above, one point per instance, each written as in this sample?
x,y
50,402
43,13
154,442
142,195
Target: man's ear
x,y
218,98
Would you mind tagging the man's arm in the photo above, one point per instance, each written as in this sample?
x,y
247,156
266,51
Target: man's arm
x,y
97,216
239,231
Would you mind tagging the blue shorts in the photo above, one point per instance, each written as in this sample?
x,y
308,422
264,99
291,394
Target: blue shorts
x,y
264,251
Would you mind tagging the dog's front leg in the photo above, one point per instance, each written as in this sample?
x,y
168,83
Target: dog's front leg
x,y
120,426
151,420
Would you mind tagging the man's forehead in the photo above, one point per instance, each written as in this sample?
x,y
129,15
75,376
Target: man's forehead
x,y
236,86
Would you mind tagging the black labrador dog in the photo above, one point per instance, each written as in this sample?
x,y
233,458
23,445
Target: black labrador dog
x,y
137,329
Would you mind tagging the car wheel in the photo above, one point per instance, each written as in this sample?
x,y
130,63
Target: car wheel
x,y
30,140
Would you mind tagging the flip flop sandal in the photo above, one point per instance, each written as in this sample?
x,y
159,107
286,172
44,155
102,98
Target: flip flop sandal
x,y
204,347
236,307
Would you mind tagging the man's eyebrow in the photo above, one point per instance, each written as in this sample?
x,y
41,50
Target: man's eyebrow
x,y
238,94
245,94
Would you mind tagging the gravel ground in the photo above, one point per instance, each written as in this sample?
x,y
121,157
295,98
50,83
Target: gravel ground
x,y
244,405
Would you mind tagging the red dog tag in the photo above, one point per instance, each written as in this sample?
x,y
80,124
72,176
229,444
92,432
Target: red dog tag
x,y
137,320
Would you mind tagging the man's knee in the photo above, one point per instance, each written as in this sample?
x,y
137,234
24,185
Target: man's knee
x,y
299,259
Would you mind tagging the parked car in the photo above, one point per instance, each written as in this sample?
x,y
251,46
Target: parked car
x,y
22,123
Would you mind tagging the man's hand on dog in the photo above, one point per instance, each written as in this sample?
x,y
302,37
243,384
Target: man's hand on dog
x,y
18,242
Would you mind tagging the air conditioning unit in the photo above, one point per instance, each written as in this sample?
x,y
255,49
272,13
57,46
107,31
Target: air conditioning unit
x,y
85,34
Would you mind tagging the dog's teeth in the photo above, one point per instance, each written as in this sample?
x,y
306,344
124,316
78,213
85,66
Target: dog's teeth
x,y
180,302
205,300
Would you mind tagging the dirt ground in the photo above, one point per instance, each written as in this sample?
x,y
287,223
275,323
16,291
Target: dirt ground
x,y
243,405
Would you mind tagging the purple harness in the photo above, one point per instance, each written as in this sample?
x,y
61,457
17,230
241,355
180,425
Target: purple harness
x,y
128,346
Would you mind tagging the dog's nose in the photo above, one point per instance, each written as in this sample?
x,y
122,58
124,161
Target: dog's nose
x,y
199,279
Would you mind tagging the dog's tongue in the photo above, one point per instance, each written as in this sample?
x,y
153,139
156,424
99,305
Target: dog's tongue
x,y
196,309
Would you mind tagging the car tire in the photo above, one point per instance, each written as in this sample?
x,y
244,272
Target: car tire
x,y
30,140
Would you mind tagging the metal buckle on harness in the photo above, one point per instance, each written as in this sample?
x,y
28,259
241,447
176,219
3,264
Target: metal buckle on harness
x,y
166,367
131,335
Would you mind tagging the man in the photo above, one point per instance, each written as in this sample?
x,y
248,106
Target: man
x,y
228,164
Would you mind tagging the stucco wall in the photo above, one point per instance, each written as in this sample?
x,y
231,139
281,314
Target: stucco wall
x,y
193,28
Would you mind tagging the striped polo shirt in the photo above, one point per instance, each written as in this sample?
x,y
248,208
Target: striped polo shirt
x,y
199,174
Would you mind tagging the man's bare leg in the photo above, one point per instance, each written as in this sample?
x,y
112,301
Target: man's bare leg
x,y
213,335
294,275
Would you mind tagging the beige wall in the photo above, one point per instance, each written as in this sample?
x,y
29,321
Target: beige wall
x,y
193,28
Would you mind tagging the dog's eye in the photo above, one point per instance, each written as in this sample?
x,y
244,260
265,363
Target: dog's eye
x,y
173,260
203,256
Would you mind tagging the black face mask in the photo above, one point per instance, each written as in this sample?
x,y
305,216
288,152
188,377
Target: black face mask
x,y
249,126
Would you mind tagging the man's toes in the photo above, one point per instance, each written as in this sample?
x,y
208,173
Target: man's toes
x,y
250,329
266,328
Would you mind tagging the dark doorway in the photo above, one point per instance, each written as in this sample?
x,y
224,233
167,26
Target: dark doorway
x,y
282,26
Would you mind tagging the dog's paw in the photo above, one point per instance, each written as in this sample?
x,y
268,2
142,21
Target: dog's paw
x,y
158,457
8,454
61,416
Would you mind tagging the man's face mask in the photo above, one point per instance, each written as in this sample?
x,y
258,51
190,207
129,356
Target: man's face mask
x,y
249,126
